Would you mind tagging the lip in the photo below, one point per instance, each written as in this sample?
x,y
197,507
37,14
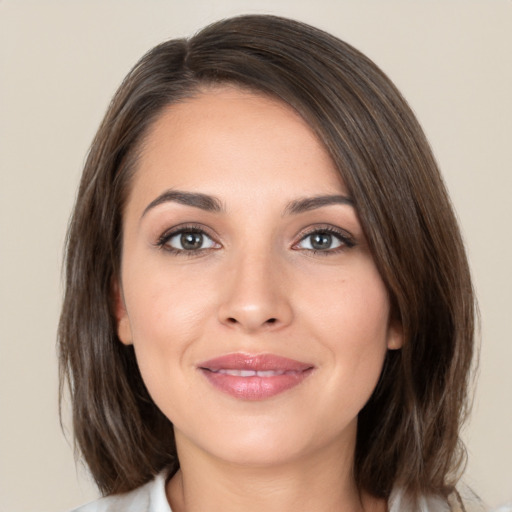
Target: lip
x,y
254,377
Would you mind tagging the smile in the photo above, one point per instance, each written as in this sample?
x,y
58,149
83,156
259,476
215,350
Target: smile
x,y
256,377
251,373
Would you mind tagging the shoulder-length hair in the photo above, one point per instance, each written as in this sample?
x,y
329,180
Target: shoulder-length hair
x,y
408,432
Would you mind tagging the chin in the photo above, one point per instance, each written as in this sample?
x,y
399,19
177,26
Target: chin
x,y
266,442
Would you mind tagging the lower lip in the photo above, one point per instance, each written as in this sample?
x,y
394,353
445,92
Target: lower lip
x,y
255,388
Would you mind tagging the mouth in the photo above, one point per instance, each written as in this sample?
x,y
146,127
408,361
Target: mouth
x,y
254,377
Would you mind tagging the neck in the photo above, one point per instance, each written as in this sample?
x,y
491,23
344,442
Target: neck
x,y
320,482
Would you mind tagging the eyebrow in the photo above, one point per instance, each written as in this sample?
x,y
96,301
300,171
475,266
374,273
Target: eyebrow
x,y
213,204
195,199
312,203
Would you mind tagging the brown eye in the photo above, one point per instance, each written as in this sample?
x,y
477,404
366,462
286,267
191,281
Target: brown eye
x,y
189,240
321,241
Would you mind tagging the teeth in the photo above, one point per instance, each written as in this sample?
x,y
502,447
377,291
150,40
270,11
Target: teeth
x,y
251,373
269,373
238,373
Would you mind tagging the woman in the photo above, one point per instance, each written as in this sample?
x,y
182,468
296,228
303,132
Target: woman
x,y
268,304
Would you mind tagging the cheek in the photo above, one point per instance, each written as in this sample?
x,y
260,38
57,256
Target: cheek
x,y
352,306
164,302
350,318
167,314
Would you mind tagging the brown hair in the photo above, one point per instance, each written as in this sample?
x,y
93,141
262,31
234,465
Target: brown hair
x,y
408,432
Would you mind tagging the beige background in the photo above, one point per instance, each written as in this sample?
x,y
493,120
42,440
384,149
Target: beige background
x,y
60,63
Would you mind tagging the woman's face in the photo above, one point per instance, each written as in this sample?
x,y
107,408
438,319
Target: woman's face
x,y
259,320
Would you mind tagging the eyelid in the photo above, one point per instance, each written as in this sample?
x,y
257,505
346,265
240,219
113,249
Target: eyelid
x,y
347,240
184,228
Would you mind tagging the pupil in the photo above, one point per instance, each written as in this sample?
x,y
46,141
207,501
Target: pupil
x,y
191,241
321,241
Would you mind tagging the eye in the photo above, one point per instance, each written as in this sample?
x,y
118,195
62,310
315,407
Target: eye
x,y
187,240
325,240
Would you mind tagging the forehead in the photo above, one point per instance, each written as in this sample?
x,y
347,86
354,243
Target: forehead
x,y
227,136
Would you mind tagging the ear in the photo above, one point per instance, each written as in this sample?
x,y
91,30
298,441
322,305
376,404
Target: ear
x,y
395,335
123,327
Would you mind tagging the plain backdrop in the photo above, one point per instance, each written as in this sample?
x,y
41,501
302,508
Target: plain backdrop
x,y
60,63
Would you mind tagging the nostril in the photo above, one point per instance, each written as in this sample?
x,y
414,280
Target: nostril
x,y
270,321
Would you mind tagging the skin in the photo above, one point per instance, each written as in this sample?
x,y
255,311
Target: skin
x,y
256,286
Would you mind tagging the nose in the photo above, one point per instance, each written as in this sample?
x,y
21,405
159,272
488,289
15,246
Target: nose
x,y
255,296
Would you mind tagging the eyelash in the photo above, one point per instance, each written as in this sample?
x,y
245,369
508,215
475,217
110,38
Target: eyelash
x,y
346,240
168,235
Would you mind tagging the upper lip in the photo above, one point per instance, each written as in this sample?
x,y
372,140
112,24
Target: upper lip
x,y
258,362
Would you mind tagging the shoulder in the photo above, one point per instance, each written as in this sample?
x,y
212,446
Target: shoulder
x,y
466,500
462,500
147,498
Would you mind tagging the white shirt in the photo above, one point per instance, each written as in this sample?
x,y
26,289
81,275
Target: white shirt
x,y
151,497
